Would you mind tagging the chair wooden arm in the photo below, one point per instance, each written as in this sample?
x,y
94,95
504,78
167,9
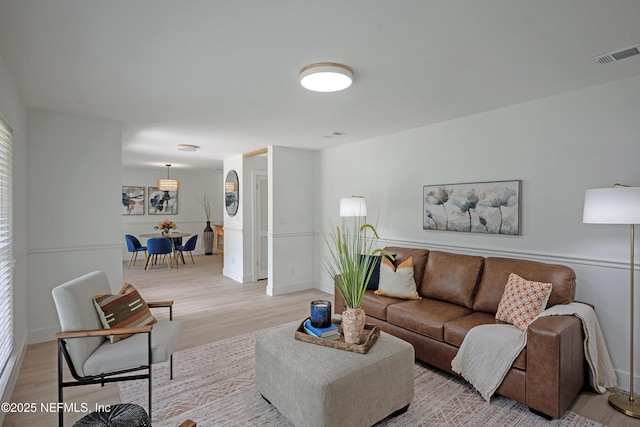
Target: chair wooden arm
x,y
154,304
103,332
168,303
188,423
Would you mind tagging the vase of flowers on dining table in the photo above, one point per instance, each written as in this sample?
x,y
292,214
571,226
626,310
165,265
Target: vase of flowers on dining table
x,y
165,227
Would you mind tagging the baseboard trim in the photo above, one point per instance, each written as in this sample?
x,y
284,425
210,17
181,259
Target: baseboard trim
x,y
233,276
290,288
39,335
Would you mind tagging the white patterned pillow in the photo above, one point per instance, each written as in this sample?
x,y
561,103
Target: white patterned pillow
x,y
397,282
522,301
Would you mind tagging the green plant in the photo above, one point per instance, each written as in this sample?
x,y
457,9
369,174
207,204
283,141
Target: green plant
x,y
350,257
206,205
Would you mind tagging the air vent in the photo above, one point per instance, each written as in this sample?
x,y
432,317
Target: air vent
x,y
335,134
627,52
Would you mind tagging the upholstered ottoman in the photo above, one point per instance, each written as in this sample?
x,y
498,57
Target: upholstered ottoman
x,y
313,385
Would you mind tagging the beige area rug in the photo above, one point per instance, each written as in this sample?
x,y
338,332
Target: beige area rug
x,y
214,385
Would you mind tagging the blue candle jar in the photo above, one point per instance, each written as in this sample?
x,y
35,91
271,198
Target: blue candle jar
x,y
320,313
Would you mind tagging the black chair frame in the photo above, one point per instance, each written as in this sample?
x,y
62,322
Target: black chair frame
x,y
108,377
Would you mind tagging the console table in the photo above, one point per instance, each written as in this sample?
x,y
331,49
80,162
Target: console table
x,y
218,239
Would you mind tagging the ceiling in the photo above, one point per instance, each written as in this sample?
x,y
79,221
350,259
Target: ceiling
x,y
223,75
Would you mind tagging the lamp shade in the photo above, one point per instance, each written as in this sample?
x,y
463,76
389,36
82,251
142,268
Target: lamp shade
x,y
230,187
165,184
168,184
353,206
617,205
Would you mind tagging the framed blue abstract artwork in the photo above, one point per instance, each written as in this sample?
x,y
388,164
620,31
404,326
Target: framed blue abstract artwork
x,y
132,200
162,202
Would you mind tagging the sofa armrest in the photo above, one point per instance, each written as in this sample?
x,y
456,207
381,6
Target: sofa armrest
x,y
555,364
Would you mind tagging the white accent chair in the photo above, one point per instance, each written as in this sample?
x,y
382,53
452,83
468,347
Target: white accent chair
x,y
90,356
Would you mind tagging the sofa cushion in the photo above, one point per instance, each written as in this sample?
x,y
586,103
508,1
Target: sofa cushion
x,y
456,330
426,316
397,282
451,277
523,301
419,259
496,274
376,305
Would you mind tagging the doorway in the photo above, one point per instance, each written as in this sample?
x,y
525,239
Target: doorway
x,y
261,225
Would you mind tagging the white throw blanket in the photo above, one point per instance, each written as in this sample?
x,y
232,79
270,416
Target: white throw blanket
x,y
486,354
488,351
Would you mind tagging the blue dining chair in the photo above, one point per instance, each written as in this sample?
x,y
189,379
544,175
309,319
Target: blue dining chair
x,y
159,246
134,246
189,247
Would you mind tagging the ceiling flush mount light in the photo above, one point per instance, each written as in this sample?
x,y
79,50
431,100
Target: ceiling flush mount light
x,y
168,184
326,77
188,147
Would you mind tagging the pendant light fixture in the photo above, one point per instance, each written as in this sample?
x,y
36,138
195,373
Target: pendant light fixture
x,y
168,184
326,77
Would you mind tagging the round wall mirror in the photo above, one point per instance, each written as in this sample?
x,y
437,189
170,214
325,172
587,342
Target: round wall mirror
x,y
231,193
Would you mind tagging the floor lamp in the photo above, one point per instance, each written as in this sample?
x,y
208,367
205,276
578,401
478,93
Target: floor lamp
x,y
353,206
618,205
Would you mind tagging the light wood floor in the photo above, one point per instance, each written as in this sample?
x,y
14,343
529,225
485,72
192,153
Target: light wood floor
x,y
211,307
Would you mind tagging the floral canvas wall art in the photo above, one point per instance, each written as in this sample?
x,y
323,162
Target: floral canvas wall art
x,y
482,207
132,200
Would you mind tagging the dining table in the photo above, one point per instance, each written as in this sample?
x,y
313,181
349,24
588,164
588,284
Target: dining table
x,y
171,236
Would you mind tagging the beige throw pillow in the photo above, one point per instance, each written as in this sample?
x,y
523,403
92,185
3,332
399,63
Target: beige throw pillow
x,y
397,282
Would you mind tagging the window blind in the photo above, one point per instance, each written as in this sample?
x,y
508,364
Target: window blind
x,y
6,253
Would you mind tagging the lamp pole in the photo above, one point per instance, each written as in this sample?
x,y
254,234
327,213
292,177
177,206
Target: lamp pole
x,y
623,403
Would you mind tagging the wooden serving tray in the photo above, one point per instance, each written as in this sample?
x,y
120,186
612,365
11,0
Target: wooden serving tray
x,y
371,333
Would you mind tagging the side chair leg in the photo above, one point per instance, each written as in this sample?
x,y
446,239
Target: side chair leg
x,y
149,361
171,367
60,396
130,259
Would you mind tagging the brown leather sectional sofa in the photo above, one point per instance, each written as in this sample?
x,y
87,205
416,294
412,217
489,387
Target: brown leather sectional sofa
x,y
461,291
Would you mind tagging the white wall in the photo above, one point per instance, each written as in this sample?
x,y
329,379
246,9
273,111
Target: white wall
x,y
74,172
190,217
558,146
233,226
291,220
239,250
251,166
15,113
